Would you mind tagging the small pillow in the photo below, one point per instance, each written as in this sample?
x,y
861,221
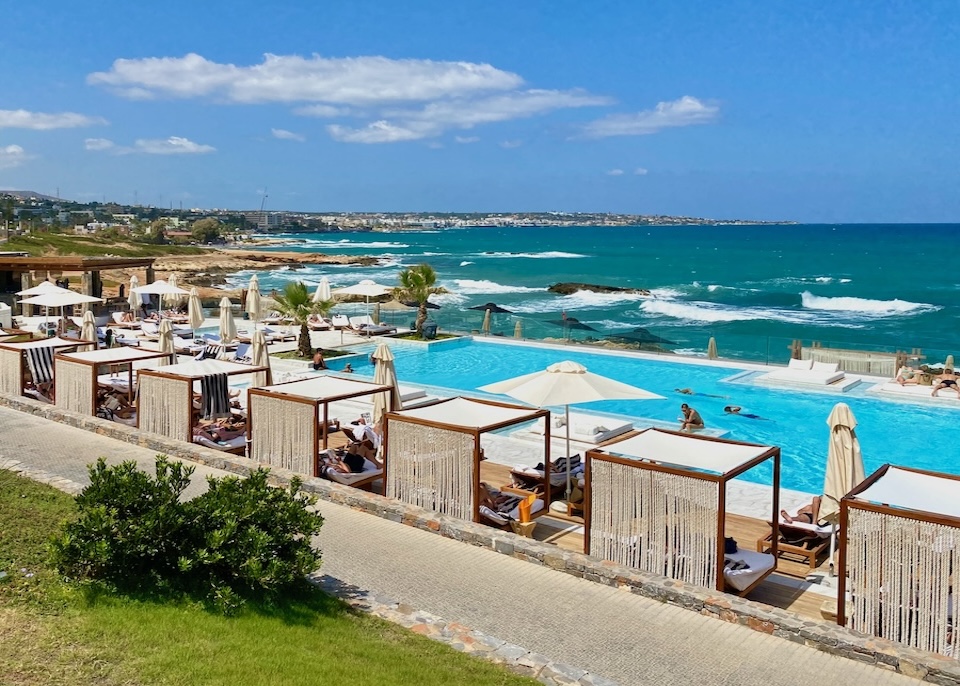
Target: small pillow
x,y
559,421
600,429
826,366
800,364
583,429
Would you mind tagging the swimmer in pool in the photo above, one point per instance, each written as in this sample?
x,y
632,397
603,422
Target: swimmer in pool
x,y
737,410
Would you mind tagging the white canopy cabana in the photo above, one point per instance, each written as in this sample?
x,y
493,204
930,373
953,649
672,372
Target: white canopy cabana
x,y
657,502
165,397
37,355
285,424
433,452
899,536
76,374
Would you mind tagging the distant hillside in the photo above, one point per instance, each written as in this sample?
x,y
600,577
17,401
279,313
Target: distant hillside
x,y
27,195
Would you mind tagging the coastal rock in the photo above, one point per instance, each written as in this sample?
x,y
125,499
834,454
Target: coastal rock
x,y
569,288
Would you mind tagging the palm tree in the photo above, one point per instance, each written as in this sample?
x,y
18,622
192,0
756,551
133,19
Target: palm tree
x,y
417,284
296,303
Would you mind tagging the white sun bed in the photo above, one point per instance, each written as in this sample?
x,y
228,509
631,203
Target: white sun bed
x,y
233,445
759,564
806,372
585,428
371,472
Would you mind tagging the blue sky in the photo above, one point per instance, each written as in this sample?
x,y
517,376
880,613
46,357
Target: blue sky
x,y
821,111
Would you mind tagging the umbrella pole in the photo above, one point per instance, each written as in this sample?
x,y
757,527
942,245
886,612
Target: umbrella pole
x,y
566,421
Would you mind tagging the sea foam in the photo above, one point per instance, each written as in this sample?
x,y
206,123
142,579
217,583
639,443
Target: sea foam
x,y
550,254
476,287
713,312
864,306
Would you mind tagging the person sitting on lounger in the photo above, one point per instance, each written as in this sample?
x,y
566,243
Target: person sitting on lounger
x,y
351,463
908,376
737,410
691,418
946,380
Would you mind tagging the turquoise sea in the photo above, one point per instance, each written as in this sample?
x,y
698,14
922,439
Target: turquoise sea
x,y
754,288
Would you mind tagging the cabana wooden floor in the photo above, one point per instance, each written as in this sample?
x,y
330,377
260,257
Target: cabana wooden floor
x,y
746,530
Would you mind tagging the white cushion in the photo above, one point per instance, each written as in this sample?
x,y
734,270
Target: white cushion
x,y
800,364
584,429
826,367
559,421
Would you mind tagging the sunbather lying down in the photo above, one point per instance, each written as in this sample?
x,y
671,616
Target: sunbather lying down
x,y
222,430
807,514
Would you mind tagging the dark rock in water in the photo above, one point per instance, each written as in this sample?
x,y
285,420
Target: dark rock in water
x,y
569,288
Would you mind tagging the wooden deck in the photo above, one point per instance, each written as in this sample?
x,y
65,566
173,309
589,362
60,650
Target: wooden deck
x,y
567,533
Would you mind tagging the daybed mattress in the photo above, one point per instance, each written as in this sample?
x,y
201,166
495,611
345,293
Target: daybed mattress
x,y
233,444
760,564
809,376
586,428
369,470
512,515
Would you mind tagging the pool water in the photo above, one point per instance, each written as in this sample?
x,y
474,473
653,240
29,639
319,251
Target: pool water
x,y
795,420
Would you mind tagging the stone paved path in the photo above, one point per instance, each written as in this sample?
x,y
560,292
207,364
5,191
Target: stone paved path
x,y
624,637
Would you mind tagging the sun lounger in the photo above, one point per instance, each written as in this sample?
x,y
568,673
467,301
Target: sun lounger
x,y
744,567
376,330
236,445
117,321
340,321
509,511
371,472
562,468
807,372
585,428
799,540
318,323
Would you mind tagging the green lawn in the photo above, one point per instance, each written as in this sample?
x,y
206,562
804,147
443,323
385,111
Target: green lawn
x,y
67,244
51,632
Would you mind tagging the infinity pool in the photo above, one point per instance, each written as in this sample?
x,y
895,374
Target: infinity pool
x,y
889,430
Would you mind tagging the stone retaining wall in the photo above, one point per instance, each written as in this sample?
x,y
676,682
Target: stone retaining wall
x,y
819,634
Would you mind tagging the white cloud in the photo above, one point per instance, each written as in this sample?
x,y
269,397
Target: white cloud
x,y
615,172
435,145
640,171
507,145
12,156
40,121
376,132
322,111
285,135
466,139
686,111
175,145
291,78
97,144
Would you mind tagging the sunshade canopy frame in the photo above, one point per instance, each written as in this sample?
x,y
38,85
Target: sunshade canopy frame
x,y
403,428
165,397
75,378
673,476
297,404
900,557
13,359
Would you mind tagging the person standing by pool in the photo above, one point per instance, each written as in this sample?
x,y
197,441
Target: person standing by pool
x,y
318,361
691,418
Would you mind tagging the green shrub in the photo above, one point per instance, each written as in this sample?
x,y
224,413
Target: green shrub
x,y
240,539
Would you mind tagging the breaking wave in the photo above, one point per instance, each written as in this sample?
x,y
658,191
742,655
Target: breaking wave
x,y
864,306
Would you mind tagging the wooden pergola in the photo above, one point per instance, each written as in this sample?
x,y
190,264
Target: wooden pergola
x,y
76,374
13,359
433,451
284,422
657,502
899,552
165,395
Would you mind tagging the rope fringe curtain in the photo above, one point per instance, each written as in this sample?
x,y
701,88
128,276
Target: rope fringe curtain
x,y
284,433
900,578
431,468
11,376
656,522
74,387
161,406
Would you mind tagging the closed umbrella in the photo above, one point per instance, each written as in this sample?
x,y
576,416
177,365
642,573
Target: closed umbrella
x,y
518,329
166,342
88,331
252,304
486,322
322,293
228,328
194,310
133,297
173,299
385,374
260,358
844,466
567,383
712,349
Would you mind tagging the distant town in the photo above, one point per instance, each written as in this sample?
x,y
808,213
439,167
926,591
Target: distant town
x,y
26,212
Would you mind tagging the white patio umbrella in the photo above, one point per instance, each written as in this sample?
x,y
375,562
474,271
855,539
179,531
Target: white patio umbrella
x,y
88,331
712,348
194,310
41,288
323,291
166,342
366,288
260,358
486,322
252,304
133,297
844,466
160,287
228,327
385,374
567,383
61,298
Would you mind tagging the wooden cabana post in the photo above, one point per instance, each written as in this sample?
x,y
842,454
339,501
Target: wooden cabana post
x,y
674,463
454,416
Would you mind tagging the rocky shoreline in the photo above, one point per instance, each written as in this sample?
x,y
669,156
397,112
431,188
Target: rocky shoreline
x,y
569,288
